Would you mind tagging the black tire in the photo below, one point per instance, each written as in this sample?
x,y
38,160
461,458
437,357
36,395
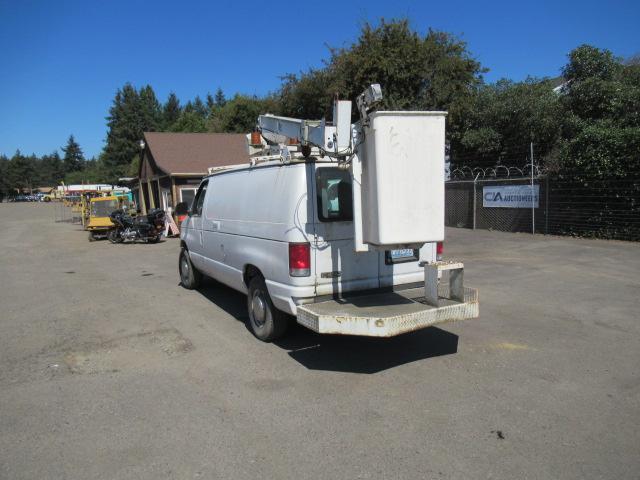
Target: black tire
x,y
155,239
190,277
265,321
114,236
92,237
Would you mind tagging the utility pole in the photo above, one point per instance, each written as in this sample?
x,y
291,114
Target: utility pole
x,y
533,203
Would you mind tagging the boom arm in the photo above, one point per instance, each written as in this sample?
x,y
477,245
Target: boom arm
x,y
277,129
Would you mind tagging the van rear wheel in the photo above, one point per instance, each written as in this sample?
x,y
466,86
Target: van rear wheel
x,y
265,321
190,278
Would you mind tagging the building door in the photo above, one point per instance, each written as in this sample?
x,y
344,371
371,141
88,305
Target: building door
x,y
166,200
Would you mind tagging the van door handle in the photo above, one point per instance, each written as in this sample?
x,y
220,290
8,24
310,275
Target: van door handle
x,y
215,225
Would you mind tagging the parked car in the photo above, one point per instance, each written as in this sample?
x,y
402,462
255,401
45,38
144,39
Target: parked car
x,y
283,234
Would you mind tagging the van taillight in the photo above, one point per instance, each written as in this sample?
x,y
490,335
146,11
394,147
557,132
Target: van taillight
x,y
439,250
299,259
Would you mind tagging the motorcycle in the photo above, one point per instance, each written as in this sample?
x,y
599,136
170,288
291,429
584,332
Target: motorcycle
x,y
147,228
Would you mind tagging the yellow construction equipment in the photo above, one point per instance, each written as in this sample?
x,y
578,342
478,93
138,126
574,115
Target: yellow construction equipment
x,y
98,222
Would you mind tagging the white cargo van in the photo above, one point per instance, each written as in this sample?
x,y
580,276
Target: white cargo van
x,y
340,231
283,234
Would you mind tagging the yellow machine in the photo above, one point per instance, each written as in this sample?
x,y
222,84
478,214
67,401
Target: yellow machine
x,y
99,209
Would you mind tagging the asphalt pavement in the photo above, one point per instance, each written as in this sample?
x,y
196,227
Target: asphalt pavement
x,y
110,370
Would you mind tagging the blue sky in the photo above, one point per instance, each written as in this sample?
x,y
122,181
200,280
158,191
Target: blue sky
x,y
62,61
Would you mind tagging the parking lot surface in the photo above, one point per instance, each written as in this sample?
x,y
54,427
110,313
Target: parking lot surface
x,y
110,370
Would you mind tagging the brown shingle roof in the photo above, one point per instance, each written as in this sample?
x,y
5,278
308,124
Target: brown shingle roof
x,y
195,152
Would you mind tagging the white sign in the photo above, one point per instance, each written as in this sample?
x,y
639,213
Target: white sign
x,y
510,196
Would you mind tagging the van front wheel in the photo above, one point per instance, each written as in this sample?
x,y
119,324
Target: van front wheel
x,y
265,321
190,278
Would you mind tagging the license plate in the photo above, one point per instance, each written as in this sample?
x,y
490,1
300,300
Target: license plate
x,y
400,256
402,253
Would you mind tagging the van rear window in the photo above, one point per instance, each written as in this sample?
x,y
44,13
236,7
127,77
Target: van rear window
x,y
335,202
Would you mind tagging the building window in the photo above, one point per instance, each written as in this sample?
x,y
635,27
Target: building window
x,y
187,195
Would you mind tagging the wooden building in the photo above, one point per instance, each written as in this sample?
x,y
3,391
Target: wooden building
x,y
173,164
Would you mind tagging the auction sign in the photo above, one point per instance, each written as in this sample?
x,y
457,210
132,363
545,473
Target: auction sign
x,y
510,196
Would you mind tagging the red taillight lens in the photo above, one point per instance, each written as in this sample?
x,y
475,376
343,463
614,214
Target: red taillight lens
x,y
299,259
439,250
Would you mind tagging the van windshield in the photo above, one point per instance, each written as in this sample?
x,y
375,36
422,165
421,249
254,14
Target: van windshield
x,y
335,202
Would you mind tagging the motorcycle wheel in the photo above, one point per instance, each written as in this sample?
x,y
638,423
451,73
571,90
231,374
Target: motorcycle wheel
x,y
155,239
114,236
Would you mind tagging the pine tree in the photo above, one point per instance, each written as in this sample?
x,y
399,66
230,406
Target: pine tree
x,y
211,103
131,114
150,110
73,160
5,187
51,168
199,108
170,111
220,98
21,172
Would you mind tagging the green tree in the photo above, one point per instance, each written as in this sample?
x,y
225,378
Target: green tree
x,y
601,134
199,107
211,104
73,159
170,111
220,100
52,169
189,121
239,114
132,113
503,119
21,172
600,86
434,72
150,110
588,62
5,186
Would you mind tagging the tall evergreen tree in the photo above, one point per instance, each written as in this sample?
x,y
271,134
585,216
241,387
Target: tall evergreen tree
x,y
199,107
132,113
5,186
21,171
150,110
52,169
73,160
211,103
220,99
170,111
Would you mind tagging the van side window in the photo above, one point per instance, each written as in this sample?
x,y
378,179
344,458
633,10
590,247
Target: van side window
x,y
334,195
196,207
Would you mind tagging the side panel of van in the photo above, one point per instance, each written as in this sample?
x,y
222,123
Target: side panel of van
x,y
250,216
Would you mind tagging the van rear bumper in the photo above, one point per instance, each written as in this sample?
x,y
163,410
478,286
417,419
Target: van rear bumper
x,y
386,314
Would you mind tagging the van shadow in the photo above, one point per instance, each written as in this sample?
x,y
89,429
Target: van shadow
x,y
338,353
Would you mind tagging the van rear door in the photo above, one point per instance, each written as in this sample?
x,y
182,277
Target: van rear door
x,y
338,268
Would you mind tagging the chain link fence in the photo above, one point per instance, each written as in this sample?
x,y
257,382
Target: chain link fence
x,y
65,213
602,208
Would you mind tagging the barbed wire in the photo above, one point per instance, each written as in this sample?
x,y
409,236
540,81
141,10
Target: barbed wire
x,y
499,171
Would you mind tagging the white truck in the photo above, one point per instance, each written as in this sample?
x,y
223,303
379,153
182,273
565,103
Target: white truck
x,y
341,230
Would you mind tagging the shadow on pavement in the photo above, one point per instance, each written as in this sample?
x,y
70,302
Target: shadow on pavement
x,y
339,353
